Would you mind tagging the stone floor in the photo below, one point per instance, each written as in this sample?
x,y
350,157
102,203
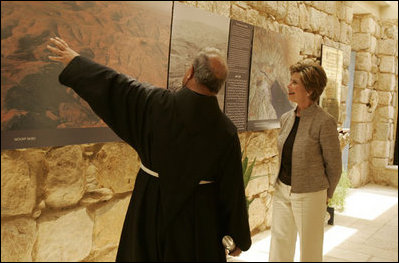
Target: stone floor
x,y
366,231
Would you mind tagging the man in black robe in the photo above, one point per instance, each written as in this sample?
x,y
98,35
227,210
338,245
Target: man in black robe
x,y
189,192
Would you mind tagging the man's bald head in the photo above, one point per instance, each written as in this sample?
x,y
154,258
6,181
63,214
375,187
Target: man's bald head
x,y
210,69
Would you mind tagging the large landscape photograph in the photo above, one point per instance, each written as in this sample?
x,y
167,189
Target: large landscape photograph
x,y
130,37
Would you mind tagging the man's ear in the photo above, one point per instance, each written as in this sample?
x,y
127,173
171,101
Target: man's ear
x,y
191,72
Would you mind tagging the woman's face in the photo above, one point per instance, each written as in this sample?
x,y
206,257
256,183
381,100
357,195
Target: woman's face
x,y
296,90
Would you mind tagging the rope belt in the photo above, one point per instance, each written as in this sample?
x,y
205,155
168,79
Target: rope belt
x,y
155,174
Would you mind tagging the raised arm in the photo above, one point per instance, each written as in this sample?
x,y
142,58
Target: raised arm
x,y
121,101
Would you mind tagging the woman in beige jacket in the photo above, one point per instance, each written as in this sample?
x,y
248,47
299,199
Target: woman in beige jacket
x,y
310,168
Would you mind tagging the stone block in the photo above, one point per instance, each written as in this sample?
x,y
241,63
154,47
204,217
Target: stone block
x,y
304,17
361,95
65,181
345,77
319,5
238,13
207,5
256,213
336,29
330,23
107,235
383,131
18,186
17,239
374,63
252,16
348,14
368,25
386,82
344,95
373,45
222,8
360,113
379,162
358,174
387,176
387,64
360,80
315,19
356,24
345,33
257,185
346,51
267,7
387,47
361,132
361,42
292,17
340,11
358,153
324,25
330,7
380,149
389,30
363,61
262,146
117,160
372,78
329,42
385,98
64,236
385,113
282,7
308,44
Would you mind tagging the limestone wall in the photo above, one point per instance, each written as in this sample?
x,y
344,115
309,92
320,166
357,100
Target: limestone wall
x,y
374,105
65,203
68,203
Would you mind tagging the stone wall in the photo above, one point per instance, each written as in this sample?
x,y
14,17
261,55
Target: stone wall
x,y
374,101
65,203
68,203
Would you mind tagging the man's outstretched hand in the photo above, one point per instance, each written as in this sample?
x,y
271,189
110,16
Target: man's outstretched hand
x,y
62,51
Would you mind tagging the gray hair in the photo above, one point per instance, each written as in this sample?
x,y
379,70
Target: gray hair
x,y
213,77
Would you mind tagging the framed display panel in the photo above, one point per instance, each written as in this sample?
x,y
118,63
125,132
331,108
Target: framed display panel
x,y
36,110
272,55
192,30
237,83
332,62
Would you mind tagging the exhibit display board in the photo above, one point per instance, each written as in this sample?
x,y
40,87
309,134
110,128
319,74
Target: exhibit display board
x,y
239,63
154,42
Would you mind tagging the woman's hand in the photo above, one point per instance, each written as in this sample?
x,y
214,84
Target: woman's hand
x,y
64,53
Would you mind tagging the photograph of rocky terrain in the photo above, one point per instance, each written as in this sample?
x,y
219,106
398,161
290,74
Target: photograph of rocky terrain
x,y
131,37
192,30
271,58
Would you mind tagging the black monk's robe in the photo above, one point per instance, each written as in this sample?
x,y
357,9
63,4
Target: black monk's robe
x,y
185,138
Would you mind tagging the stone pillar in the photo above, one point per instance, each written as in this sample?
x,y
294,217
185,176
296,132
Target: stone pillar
x,y
365,97
374,104
383,141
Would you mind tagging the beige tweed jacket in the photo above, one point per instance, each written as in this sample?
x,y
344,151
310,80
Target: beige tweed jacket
x,y
316,154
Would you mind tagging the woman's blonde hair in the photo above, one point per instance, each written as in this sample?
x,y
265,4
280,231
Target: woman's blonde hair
x,y
313,77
